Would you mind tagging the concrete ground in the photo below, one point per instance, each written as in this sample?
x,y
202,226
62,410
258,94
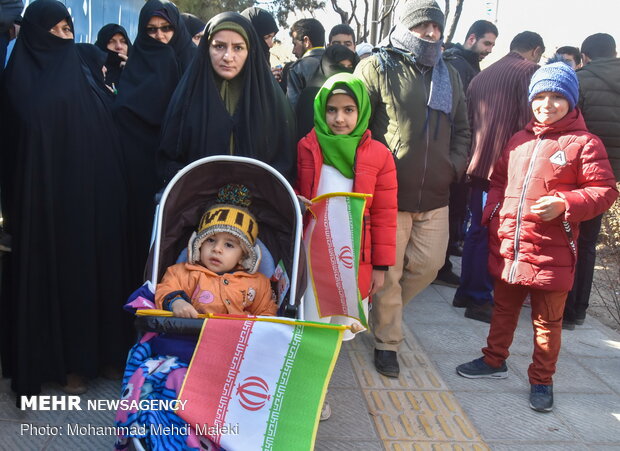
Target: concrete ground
x,y
429,407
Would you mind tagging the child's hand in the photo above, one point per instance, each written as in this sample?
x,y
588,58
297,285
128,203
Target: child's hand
x,y
548,207
304,201
183,309
376,282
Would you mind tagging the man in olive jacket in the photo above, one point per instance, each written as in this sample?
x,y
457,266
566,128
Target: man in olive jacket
x,y
599,101
425,126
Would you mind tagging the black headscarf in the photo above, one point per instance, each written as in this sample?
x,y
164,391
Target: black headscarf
x,y
151,75
263,23
198,124
154,68
330,62
330,65
63,198
113,61
193,24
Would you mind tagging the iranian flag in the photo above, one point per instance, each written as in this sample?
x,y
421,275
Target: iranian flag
x,y
333,240
259,383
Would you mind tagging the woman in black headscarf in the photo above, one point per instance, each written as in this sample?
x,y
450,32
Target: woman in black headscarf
x,y
162,52
337,58
228,103
113,40
265,26
63,198
195,27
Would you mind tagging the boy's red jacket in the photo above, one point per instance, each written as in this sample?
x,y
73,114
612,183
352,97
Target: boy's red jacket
x,y
564,160
375,173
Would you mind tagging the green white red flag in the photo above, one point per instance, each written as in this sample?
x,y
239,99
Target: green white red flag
x,y
333,239
268,376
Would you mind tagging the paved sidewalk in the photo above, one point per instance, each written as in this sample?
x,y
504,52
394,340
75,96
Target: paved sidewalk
x,y
586,388
429,407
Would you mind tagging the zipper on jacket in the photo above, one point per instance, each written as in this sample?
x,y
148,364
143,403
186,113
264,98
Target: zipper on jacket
x,y
526,182
428,112
494,211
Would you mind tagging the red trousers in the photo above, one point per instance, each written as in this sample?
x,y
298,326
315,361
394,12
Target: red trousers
x,y
547,311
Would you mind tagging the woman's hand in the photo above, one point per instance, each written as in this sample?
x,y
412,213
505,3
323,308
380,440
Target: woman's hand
x,y
548,207
124,58
183,309
277,73
376,281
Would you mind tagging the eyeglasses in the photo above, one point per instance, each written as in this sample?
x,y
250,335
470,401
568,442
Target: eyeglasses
x,y
164,29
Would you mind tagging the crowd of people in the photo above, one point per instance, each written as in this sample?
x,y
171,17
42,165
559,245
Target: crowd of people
x,y
513,165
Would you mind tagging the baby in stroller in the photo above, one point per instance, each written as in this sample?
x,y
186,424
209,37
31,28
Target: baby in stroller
x,y
157,364
221,268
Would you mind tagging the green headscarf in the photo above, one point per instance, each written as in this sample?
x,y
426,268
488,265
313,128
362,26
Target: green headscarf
x,y
339,150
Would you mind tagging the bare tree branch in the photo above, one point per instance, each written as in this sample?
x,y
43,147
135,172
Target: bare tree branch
x,y
344,16
455,20
365,24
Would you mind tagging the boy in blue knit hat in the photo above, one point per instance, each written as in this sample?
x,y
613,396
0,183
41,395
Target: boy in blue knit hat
x,y
551,176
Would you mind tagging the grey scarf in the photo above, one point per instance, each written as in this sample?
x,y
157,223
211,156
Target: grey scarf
x,y
428,54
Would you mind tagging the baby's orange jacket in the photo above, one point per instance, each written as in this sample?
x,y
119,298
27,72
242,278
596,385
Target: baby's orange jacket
x,y
238,293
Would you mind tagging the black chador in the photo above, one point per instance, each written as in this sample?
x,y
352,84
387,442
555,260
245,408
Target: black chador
x,y
247,116
63,198
147,83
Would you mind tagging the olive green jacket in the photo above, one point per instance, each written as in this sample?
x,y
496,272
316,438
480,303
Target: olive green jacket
x,y
430,148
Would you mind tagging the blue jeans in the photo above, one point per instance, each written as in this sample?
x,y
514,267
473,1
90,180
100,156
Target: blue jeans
x,y
476,283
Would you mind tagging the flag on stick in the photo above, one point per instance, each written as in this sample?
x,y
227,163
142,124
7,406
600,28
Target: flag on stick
x,y
267,376
333,239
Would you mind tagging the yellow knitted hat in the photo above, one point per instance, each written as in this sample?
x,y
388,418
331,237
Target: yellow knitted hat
x,y
229,214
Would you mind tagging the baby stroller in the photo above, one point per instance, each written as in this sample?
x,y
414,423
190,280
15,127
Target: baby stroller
x,y
166,344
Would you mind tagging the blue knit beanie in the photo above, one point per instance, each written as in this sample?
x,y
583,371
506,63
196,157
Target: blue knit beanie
x,y
556,77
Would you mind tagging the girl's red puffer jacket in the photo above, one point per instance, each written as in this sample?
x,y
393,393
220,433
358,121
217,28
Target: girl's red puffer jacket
x,y
375,173
562,159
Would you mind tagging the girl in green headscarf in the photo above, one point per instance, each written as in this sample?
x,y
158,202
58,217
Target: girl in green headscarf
x,y
339,155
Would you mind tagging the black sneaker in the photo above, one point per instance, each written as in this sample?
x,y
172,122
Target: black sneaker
x,y
461,301
477,369
579,320
386,363
482,312
568,325
448,279
541,397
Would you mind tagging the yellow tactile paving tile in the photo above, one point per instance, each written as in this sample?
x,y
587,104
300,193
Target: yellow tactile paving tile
x,y
408,446
417,411
419,415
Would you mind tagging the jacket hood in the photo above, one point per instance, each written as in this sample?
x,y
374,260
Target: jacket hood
x,y
572,122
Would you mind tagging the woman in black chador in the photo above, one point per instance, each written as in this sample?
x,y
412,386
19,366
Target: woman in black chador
x,y
63,198
228,103
265,26
161,53
113,40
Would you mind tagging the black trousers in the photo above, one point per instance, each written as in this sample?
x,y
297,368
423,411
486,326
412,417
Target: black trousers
x,y
579,297
459,196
